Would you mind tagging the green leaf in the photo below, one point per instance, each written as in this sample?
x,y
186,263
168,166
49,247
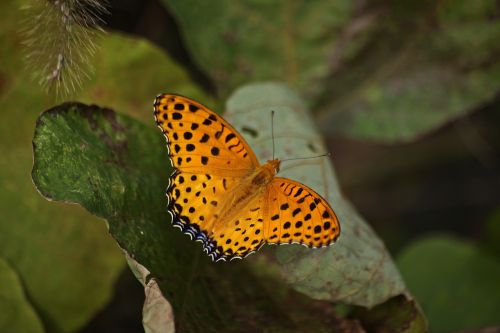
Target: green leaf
x,y
357,269
387,71
16,312
410,76
235,41
455,282
118,169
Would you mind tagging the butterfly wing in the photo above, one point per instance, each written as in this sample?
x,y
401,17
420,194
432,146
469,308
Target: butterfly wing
x,y
297,214
209,157
200,140
192,199
241,235
195,202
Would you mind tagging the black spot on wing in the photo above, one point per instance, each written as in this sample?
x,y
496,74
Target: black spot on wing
x,y
204,138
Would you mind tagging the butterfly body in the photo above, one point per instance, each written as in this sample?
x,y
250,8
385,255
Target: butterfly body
x,y
221,195
250,188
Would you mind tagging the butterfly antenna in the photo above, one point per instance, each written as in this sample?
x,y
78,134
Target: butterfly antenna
x,y
272,129
306,158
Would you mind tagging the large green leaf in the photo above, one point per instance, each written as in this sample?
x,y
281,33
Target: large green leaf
x,y
238,41
383,70
357,269
413,75
455,282
118,169
17,314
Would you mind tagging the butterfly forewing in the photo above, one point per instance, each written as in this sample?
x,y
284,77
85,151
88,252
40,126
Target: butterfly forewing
x,y
209,158
297,214
200,140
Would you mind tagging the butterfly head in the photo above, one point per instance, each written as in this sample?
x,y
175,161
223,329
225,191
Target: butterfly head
x,y
275,165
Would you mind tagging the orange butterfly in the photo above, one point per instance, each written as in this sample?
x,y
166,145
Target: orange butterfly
x,y
222,196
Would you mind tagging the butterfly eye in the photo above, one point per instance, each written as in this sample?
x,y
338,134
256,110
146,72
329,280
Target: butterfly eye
x,y
277,163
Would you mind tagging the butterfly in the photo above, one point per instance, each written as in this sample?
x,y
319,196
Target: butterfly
x,y
219,193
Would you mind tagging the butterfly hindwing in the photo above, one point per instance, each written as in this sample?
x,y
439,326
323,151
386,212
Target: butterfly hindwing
x,y
199,139
193,198
242,234
297,214
195,201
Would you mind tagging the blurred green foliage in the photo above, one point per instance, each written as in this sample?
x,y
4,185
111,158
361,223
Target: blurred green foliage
x,y
17,314
236,42
380,70
491,235
454,281
62,255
